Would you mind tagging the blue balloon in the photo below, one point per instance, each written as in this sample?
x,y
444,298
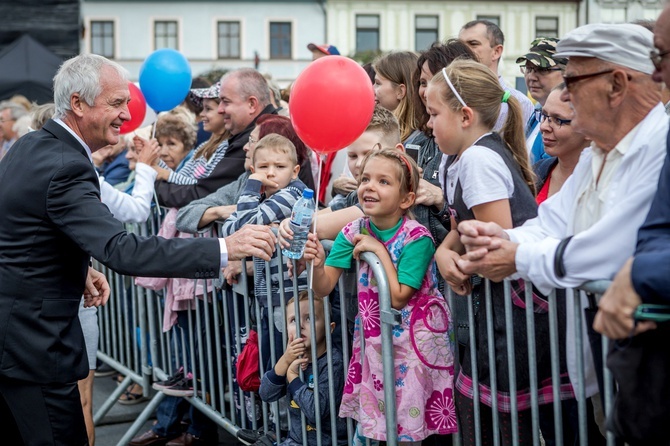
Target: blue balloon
x,y
165,79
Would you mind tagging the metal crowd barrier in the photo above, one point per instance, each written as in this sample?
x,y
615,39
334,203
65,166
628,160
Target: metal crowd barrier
x,y
123,326
218,322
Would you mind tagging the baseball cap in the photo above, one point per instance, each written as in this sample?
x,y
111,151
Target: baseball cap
x,y
622,44
542,53
196,95
329,50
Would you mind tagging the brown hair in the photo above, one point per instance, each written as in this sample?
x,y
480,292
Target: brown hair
x,y
207,148
408,171
175,126
279,143
438,56
480,90
397,66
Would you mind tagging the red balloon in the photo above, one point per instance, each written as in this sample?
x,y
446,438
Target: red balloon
x,y
331,103
137,108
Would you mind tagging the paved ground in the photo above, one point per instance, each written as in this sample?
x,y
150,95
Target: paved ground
x,y
119,419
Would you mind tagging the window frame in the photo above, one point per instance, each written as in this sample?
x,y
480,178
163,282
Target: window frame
x,y
358,28
89,40
177,36
543,33
291,29
417,29
219,38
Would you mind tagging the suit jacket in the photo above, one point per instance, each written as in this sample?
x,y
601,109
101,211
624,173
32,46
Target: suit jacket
x,y
226,171
652,255
51,222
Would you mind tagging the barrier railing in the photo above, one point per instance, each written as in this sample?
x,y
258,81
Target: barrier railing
x,y
215,327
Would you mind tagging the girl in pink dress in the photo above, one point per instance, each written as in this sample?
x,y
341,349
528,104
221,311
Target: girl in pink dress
x,y
423,341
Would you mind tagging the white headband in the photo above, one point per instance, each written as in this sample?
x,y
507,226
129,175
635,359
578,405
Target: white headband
x,y
453,90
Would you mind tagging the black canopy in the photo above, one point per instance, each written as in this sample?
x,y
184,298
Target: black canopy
x,y
27,67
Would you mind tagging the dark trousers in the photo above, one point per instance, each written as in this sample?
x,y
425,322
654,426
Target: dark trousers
x,y
37,414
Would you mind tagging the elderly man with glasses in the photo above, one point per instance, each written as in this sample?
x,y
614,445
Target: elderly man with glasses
x,y
588,229
542,71
644,283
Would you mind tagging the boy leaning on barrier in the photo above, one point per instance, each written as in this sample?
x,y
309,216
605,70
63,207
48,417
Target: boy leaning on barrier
x,y
284,378
268,198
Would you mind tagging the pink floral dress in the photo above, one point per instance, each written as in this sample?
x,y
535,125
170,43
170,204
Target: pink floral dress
x,y
423,349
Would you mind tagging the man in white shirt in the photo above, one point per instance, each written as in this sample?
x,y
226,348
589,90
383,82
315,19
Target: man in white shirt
x,y
588,229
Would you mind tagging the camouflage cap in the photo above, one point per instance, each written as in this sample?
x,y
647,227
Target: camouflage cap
x,y
542,52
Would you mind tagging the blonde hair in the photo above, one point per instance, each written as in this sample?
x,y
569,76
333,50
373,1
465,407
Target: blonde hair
x,y
481,91
278,143
398,67
385,122
304,296
407,170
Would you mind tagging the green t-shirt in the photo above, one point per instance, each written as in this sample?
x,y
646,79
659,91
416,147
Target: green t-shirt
x,y
412,263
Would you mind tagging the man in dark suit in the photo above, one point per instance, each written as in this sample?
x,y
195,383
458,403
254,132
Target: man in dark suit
x,y
51,223
245,96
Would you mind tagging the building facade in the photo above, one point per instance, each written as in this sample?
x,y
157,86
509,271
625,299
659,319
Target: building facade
x,y
225,34
213,35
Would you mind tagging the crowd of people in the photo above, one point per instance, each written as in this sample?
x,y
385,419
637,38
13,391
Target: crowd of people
x,y
457,178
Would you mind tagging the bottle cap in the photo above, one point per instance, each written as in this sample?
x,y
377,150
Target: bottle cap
x,y
307,193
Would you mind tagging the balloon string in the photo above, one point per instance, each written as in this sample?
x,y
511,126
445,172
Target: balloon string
x,y
153,127
322,159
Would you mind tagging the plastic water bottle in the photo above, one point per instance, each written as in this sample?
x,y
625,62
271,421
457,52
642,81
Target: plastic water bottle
x,y
301,220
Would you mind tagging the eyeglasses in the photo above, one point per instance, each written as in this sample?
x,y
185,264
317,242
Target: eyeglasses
x,y
656,57
252,140
554,121
571,80
529,69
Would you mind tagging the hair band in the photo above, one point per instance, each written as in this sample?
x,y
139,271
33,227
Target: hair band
x,y
409,170
453,90
506,96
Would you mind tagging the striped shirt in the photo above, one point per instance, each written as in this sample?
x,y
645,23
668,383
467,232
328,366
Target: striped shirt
x,y
199,167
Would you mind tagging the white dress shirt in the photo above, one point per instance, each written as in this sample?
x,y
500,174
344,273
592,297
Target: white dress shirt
x,y
603,218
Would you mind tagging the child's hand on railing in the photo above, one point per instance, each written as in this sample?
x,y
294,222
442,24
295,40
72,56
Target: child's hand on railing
x,y
284,233
233,270
300,264
314,251
446,262
367,243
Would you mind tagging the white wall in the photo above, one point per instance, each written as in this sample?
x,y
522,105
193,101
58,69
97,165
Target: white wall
x,y
198,35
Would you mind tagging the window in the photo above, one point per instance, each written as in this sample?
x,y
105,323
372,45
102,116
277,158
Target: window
x,y
102,38
280,40
613,15
229,40
491,18
426,31
546,26
367,33
165,35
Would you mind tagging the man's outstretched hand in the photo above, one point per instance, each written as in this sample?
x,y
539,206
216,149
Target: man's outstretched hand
x,y
251,241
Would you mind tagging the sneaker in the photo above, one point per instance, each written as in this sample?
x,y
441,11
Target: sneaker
x,y
269,439
249,436
104,370
171,381
183,388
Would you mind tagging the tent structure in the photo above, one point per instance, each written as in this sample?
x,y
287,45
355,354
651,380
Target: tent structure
x,y
28,68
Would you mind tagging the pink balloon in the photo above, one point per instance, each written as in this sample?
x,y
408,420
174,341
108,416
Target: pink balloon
x,y
331,103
